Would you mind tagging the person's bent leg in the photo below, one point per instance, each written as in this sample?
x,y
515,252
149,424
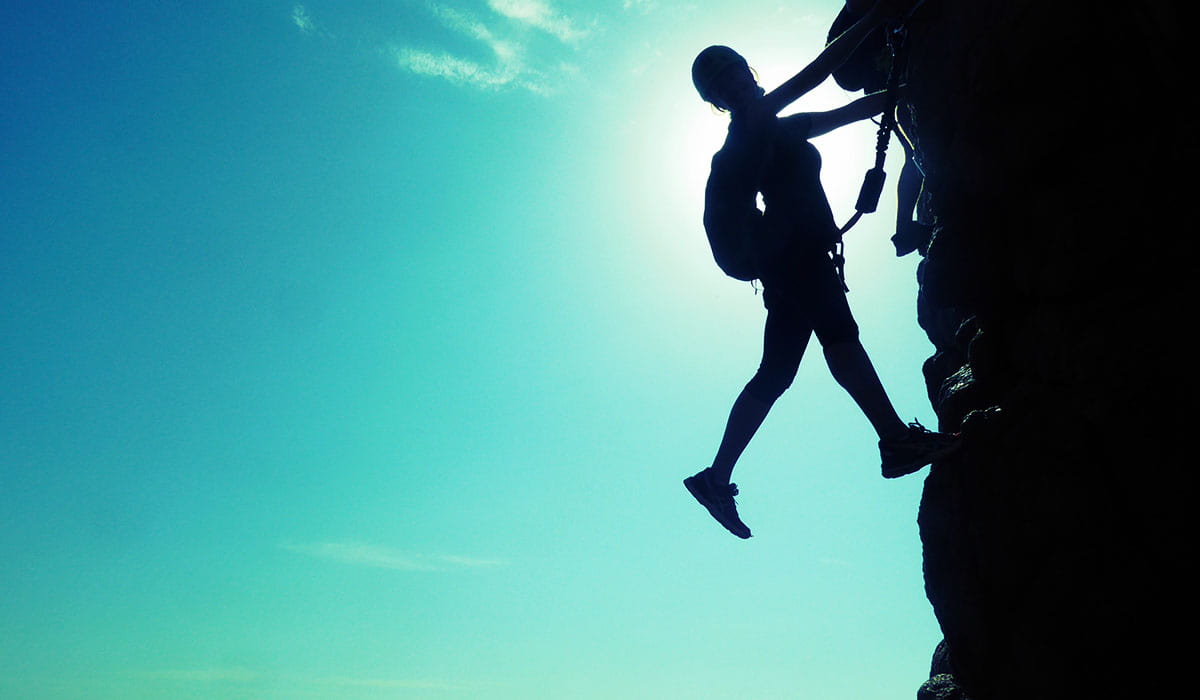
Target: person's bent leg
x,y
852,369
845,355
902,448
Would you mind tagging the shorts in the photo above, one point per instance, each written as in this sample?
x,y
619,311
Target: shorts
x,y
802,297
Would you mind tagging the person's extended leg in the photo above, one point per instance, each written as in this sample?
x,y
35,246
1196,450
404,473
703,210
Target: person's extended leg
x,y
784,339
746,416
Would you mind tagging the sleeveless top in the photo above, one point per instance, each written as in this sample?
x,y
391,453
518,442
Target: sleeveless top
x,y
772,156
797,216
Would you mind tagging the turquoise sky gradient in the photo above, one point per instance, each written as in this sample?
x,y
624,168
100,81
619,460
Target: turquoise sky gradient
x,y
358,350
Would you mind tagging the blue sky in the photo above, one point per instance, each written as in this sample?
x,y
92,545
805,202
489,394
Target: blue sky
x,y
358,350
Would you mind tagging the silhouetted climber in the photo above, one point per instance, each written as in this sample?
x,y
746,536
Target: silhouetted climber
x,y
786,247
868,68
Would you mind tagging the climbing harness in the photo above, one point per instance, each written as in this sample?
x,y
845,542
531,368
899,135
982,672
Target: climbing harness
x,y
872,187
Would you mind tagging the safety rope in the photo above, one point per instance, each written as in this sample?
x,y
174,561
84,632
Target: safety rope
x,y
872,187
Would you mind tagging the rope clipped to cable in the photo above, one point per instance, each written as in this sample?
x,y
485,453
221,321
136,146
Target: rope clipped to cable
x,y
872,187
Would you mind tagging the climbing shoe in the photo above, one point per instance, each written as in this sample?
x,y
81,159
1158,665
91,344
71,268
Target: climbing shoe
x,y
718,499
918,447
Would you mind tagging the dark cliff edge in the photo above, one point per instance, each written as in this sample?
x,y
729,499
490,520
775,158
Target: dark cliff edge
x,y
1059,150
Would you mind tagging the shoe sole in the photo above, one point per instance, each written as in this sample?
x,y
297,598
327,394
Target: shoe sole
x,y
895,472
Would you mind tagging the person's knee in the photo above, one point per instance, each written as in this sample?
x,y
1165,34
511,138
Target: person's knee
x,y
843,346
768,385
845,358
839,335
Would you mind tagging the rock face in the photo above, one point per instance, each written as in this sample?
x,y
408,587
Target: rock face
x,y
1060,162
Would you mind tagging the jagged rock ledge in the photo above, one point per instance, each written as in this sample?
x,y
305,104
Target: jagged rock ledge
x,y
1059,161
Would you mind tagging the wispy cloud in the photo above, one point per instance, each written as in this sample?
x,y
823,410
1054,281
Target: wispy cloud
x,y
204,675
505,68
391,683
379,557
471,26
507,35
540,15
452,68
510,64
641,5
468,562
238,675
301,19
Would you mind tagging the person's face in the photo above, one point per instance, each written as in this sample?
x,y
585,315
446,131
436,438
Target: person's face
x,y
735,86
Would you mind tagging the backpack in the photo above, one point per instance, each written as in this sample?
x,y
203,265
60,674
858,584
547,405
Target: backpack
x,y
732,219
867,68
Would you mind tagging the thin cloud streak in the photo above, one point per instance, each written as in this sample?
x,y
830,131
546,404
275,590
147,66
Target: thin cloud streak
x,y
301,19
510,67
468,25
440,64
375,556
203,675
237,675
507,44
450,68
540,15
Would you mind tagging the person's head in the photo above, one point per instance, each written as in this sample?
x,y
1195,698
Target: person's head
x,y
723,78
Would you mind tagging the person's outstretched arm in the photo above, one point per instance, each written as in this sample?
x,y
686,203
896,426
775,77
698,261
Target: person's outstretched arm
x,y
862,108
834,55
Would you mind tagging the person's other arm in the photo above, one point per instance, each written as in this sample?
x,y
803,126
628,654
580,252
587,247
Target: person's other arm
x,y
862,108
834,55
